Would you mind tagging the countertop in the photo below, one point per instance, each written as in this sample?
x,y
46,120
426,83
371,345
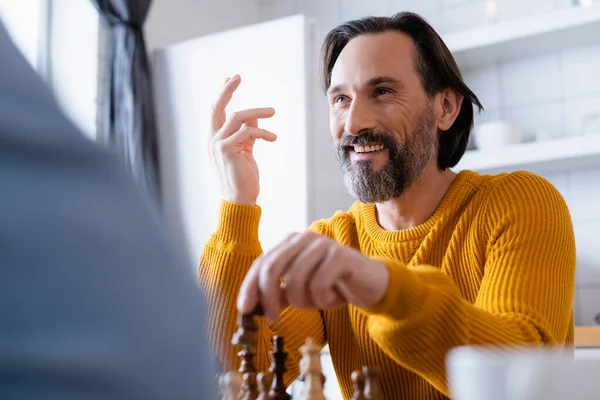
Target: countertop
x,y
587,336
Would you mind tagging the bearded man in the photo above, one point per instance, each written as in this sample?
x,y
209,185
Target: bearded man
x,y
425,260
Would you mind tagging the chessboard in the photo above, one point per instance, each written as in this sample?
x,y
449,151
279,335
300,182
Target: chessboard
x,y
248,384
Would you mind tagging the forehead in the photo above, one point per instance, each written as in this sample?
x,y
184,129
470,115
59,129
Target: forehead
x,y
382,54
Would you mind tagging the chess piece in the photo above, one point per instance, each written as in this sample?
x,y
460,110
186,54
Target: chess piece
x,y
247,338
247,364
310,366
358,381
278,368
230,385
249,387
372,387
309,349
246,335
264,383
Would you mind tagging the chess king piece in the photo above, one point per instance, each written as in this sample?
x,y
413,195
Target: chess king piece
x,y
264,384
372,386
249,387
278,368
310,367
230,384
358,382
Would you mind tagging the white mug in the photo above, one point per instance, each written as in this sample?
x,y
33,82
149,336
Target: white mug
x,y
488,373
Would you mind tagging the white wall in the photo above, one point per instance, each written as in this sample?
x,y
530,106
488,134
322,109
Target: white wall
x,y
172,21
191,189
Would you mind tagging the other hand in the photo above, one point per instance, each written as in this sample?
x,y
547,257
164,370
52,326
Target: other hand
x,y
312,271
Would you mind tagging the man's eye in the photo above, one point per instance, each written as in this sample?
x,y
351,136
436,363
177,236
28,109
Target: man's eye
x,y
381,91
340,99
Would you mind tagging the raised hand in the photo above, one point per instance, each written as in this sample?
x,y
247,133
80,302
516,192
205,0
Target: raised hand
x,y
232,143
308,271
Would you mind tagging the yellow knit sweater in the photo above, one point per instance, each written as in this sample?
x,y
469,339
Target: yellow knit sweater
x,y
494,264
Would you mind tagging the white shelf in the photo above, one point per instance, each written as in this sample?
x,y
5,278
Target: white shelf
x,y
554,31
540,157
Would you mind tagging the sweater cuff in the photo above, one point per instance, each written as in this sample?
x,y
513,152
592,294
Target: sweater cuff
x,y
405,293
238,224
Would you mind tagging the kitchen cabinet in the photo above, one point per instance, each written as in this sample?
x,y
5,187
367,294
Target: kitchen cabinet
x,y
542,157
525,37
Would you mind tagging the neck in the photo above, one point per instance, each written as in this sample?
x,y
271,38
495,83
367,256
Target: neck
x,y
418,202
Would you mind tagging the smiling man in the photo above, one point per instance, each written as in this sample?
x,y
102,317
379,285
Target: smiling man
x,y
425,260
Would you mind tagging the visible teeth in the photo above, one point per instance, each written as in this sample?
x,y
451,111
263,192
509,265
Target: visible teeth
x,y
368,149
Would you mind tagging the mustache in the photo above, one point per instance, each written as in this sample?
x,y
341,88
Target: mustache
x,y
367,137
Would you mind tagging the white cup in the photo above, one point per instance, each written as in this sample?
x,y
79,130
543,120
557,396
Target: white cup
x,y
492,135
478,373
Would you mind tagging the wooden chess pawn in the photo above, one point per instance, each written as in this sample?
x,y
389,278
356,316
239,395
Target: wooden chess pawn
x,y
264,384
358,381
372,386
311,353
249,387
310,366
230,385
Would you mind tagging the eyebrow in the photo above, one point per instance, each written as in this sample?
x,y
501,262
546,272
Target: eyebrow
x,y
374,81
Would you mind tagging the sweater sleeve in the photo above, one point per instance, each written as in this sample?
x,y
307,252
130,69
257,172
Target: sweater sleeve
x,y
225,260
525,295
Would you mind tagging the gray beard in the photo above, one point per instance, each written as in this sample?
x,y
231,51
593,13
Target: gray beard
x,y
404,167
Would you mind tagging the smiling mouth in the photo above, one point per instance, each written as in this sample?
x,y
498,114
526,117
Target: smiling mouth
x,y
368,148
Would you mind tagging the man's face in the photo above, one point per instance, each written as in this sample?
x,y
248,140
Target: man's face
x,y
380,117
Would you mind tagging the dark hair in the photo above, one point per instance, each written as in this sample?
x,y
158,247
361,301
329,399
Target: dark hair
x,y
435,65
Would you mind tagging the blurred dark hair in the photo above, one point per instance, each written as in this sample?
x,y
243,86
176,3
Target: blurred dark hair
x,y
435,65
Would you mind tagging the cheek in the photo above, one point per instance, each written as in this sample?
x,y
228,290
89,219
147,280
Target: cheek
x,y
402,119
336,124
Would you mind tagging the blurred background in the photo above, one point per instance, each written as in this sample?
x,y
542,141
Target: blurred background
x,y
534,65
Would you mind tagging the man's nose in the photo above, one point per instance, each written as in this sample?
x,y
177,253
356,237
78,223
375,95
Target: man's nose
x,y
359,119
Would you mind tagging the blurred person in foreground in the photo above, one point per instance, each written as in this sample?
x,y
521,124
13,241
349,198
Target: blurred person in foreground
x,y
94,301
425,260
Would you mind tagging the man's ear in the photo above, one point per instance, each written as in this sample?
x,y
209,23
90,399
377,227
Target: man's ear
x,y
449,102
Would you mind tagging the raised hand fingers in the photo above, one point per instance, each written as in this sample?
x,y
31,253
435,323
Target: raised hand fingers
x,y
246,117
253,123
244,138
218,114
